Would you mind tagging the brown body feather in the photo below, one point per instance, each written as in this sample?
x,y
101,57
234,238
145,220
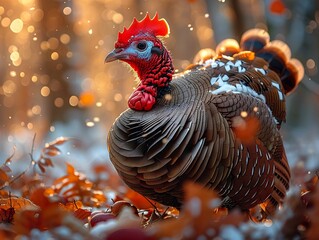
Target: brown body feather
x,y
191,133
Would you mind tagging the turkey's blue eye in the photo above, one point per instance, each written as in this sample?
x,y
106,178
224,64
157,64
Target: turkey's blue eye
x,y
141,46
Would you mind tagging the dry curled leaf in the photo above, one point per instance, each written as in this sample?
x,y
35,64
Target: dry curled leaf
x,y
50,150
82,214
7,215
200,215
18,203
4,178
11,205
139,200
75,186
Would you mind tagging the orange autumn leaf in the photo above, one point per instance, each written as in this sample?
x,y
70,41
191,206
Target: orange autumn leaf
x,y
82,214
3,177
76,207
201,213
75,186
39,197
246,128
196,214
11,205
87,99
277,7
7,215
18,203
27,220
139,200
71,206
199,206
100,168
4,194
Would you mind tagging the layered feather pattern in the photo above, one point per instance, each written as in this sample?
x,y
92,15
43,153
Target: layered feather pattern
x,y
200,128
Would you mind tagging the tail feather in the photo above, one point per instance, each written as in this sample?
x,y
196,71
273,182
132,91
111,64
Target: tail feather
x,y
228,47
277,54
254,40
293,75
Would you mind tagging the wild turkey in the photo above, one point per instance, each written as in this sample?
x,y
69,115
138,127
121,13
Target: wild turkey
x,y
217,123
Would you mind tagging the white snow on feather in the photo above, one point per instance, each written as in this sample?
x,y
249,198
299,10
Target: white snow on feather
x,y
224,88
230,63
214,64
276,85
281,96
227,67
225,78
238,63
220,64
241,69
219,80
261,70
238,88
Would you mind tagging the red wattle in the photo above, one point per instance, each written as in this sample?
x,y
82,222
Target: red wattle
x,y
143,98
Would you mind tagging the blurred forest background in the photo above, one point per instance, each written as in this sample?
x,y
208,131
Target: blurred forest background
x,y
53,80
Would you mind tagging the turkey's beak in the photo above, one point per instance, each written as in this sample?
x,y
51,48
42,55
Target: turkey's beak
x,y
116,54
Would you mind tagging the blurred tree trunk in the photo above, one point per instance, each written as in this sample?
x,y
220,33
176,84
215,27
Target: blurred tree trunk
x,y
42,65
56,74
13,65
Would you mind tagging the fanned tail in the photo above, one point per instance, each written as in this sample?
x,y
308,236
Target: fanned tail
x,y
277,54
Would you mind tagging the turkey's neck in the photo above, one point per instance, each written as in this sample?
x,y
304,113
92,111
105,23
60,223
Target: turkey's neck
x,y
154,79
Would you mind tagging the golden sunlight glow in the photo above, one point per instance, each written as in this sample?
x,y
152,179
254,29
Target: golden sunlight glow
x,y
14,56
36,110
243,114
53,43
37,15
73,101
54,56
90,124
1,10
87,99
26,2
25,16
9,87
65,38
13,73
30,126
59,102
5,22
67,10
118,97
44,45
69,54
30,29
45,91
117,18
34,78
310,63
16,25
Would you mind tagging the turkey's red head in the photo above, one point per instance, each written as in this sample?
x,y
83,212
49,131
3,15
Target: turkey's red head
x,y
140,47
